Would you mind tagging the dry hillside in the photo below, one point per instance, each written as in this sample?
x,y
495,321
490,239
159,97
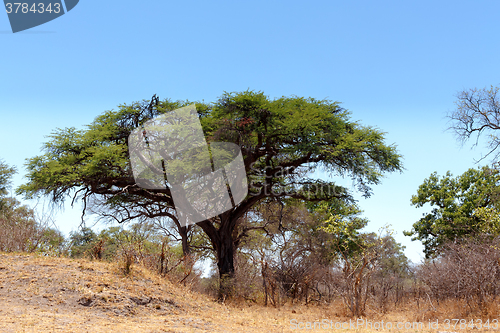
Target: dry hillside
x,y
46,294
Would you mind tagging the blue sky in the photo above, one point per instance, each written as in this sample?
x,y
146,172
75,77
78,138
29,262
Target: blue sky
x,y
396,65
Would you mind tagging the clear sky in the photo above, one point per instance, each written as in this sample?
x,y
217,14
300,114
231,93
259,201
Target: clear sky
x,y
396,65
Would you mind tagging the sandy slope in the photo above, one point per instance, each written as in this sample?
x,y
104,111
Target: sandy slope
x,y
46,294
42,294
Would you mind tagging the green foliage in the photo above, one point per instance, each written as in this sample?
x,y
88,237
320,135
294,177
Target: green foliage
x,y
51,242
6,173
21,231
81,242
112,240
465,206
392,262
343,222
489,220
18,228
303,130
304,134
95,157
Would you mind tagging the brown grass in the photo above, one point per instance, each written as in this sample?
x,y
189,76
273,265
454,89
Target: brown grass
x,y
47,294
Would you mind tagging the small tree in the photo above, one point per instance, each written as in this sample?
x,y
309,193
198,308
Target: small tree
x,y
6,173
82,242
355,257
52,242
391,273
464,206
18,229
21,230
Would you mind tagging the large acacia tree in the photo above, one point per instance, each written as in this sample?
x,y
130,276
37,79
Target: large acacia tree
x,y
282,140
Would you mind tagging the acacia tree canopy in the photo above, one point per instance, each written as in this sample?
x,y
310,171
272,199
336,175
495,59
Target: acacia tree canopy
x,y
282,141
464,206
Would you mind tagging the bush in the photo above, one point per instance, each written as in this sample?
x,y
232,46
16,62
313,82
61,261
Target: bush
x,y
467,270
22,231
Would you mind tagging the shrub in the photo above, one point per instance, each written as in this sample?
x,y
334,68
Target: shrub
x,y
467,270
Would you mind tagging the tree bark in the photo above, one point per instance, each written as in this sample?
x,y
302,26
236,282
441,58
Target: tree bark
x,y
225,249
223,243
225,263
225,256
186,249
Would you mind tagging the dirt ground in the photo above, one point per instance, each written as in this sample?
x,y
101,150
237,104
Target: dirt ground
x,y
42,294
47,294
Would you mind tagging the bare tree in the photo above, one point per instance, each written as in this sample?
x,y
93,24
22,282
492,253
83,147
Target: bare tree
x,y
477,112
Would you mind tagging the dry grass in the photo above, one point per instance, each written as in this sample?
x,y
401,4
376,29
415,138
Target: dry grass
x,y
46,294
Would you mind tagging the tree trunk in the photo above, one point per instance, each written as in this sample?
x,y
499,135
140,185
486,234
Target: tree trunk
x,y
225,263
223,244
186,249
